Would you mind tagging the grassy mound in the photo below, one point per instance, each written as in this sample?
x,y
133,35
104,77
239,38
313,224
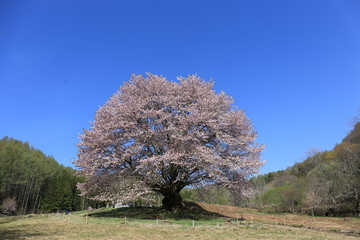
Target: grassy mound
x,y
189,211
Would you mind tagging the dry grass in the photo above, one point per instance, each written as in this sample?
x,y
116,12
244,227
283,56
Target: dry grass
x,y
347,224
74,226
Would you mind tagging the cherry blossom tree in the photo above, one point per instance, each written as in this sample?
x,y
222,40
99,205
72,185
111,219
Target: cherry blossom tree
x,y
155,135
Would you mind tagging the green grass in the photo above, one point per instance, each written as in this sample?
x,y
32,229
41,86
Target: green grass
x,y
142,224
191,211
152,223
154,216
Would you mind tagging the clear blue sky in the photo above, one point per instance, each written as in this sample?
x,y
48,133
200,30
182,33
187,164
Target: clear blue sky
x,y
293,66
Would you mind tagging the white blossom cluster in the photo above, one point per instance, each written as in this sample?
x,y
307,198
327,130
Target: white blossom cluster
x,y
158,135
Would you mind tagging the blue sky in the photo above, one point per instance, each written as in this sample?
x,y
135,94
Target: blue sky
x,y
293,66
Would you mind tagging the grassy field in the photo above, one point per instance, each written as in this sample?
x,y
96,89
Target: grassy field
x,y
142,224
347,224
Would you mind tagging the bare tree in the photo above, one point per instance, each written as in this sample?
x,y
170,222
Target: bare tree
x,y
336,177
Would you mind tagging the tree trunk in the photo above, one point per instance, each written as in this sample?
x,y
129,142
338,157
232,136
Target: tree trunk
x,y
38,207
35,201
172,201
357,206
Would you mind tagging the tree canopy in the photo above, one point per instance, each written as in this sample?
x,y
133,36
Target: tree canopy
x,y
155,135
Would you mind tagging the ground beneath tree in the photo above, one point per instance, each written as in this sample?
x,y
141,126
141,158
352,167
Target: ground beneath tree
x,y
189,211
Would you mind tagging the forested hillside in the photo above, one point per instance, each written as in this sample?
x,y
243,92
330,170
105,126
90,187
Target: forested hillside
x,y
33,181
326,183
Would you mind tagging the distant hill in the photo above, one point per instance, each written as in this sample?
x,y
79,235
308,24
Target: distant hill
x,y
326,183
354,135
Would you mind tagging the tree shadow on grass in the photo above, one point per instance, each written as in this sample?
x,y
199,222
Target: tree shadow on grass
x,y
16,234
7,219
24,231
189,211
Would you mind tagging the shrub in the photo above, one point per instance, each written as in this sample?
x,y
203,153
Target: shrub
x,y
9,206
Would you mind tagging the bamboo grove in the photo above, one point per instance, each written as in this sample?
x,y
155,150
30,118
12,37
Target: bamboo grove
x,y
36,182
